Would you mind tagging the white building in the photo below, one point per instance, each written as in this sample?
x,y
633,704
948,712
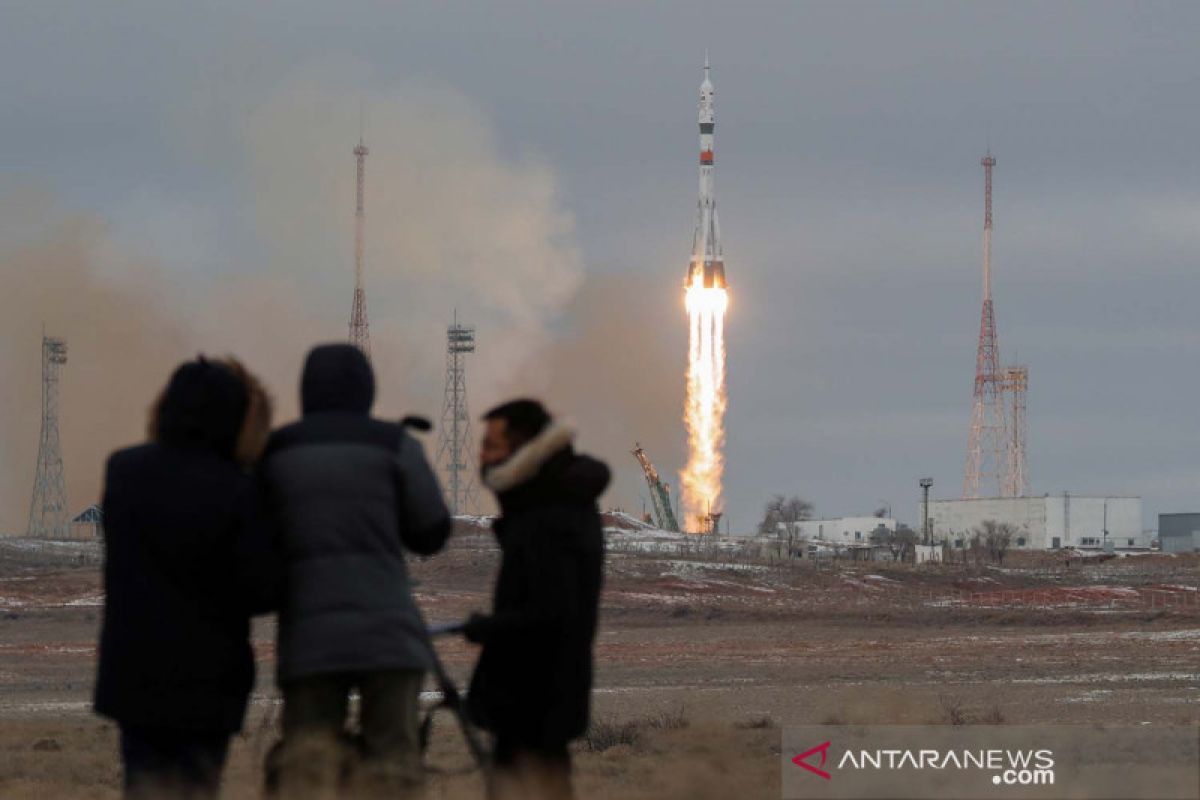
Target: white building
x,y
843,530
927,553
1046,522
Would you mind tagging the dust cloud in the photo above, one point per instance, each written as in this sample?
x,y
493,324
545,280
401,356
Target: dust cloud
x,y
454,223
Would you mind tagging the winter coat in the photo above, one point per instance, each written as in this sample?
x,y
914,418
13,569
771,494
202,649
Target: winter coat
x,y
188,558
534,677
351,493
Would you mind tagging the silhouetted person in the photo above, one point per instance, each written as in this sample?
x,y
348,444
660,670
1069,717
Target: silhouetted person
x,y
352,493
188,560
532,685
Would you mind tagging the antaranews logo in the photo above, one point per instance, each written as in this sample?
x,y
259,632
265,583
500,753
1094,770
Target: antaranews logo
x,y
989,762
1021,767
801,760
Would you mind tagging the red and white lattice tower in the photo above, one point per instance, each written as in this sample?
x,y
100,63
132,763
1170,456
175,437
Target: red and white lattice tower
x,y
360,330
988,445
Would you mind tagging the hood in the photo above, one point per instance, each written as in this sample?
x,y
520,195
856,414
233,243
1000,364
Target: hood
x,y
337,377
203,406
547,468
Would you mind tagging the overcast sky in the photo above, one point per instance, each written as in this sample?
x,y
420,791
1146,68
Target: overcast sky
x,y
848,182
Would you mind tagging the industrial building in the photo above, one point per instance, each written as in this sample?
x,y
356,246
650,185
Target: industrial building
x,y
1046,522
842,530
841,537
1179,533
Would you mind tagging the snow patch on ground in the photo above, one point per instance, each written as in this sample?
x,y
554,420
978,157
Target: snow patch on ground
x,y
1090,696
848,581
1114,677
678,567
44,545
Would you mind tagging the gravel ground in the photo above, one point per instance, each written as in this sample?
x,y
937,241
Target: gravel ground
x,y
729,652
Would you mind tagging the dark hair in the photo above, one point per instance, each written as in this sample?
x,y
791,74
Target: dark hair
x,y
524,419
203,404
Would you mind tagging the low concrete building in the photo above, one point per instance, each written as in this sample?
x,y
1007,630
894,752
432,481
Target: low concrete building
x,y
927,553
1048,522
815,549
1179,533
842,530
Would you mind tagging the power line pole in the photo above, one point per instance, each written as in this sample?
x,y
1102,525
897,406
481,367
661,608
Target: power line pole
x,y
48,517
926,534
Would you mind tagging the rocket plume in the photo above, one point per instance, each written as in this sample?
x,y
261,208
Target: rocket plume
x,y
706,300
704,412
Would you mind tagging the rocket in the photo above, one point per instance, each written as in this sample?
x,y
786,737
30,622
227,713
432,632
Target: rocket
x,y
707,265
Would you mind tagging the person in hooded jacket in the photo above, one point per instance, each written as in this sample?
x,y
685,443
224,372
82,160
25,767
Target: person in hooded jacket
x,y
532,685
188,558
351,494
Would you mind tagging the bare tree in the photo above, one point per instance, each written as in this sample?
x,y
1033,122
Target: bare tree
x,y
772,516
998,538
974,551
993,540
904,542
781,516
797,509
899,541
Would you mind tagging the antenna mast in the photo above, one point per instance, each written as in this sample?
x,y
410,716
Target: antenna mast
x,y
360,331
988,443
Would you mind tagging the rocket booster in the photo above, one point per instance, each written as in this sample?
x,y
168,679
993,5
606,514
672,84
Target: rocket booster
x,y
707,265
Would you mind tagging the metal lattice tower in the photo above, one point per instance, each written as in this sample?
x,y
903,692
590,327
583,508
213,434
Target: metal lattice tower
x,y
48,517
660,493
988,443
1015,386
360,331
454,439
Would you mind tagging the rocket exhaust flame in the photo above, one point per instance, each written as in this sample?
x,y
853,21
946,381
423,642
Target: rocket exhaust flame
x,y
705,406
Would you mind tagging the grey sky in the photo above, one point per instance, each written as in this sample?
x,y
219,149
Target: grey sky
x,y
848,181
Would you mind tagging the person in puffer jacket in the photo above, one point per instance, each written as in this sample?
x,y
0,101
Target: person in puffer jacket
x,y
351,495
188,558
532,685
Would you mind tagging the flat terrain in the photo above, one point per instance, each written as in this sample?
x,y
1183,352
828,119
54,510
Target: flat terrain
x,y
701,657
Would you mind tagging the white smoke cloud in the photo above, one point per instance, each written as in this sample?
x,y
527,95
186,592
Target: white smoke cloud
x,y
453,223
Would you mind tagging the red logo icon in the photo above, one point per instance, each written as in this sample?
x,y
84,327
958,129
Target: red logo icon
x,y
823,749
